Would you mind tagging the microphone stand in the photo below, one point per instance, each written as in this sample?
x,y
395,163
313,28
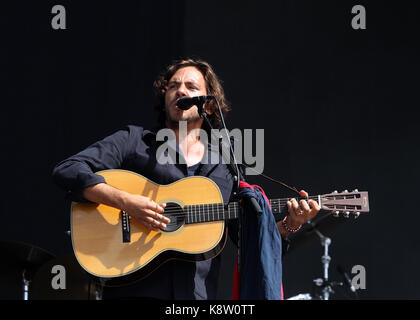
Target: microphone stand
x,y
237,177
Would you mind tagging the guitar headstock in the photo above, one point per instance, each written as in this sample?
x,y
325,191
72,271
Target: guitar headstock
x,y
346,203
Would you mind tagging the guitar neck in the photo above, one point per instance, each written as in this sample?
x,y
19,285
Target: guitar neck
x,y
226,211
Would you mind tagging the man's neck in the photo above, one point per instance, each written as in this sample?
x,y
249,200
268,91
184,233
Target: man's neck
x,y
186,135
188,139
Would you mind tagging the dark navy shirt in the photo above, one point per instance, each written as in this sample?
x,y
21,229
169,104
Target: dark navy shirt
x,y
134,148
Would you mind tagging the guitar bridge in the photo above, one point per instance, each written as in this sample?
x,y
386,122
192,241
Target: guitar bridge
x,y
125,224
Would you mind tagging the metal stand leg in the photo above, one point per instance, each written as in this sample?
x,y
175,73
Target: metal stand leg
x,y
99,289
325,259
25,286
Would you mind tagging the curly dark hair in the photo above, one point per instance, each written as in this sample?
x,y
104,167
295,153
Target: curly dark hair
x,y
213,86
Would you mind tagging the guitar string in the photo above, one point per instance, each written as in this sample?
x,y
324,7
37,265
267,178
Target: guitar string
x,y
273,201
180,212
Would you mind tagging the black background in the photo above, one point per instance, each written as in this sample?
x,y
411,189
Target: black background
x,y
338,107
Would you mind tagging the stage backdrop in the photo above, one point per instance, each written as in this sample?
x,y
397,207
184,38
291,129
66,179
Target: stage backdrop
x,y
337,105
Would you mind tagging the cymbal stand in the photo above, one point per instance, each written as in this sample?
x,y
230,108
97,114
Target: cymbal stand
x,y
99,287
325,259
25,286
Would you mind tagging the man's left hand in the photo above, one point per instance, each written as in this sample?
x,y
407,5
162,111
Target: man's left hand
x,y
301,212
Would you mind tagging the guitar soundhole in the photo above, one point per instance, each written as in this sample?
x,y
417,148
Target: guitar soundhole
x,y
175,213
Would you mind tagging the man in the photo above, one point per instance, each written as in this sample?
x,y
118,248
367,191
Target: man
x,y
135,149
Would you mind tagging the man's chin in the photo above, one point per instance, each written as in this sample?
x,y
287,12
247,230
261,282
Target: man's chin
x,y
175,120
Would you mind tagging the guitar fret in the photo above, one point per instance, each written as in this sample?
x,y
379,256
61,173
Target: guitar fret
x,y
275,205
209,219
201,212
195,213
188,211
214,212
213,218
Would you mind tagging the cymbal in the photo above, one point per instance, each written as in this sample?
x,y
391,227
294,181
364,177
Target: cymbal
x,y
18,259
74,283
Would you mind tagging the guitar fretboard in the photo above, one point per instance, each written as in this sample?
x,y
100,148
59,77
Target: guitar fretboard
x,y
223,211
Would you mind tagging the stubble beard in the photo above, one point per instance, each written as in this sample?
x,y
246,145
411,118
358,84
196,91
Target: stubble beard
x,y
172,121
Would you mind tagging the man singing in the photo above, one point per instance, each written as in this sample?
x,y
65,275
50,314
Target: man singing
x,y
135,148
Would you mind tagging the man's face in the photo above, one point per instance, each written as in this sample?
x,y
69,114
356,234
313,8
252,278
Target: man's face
x,y
186,82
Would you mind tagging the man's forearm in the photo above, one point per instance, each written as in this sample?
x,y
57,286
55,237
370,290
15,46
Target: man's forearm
x,y
105,194
283,232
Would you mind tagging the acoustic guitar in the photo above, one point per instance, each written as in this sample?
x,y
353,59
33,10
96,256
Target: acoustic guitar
x,y
112,246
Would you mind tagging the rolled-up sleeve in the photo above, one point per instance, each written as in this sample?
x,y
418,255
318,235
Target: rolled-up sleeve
x,y
77,172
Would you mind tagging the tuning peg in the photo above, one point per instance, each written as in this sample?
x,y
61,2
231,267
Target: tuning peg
x,y
356,214
345,191
336,214
355,190
335,191
346,214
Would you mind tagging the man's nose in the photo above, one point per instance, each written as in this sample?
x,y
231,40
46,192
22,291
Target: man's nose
x,y
182,91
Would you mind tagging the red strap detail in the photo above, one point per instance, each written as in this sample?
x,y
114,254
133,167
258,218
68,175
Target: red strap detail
x,y
263,193
243,185
282,294
235,289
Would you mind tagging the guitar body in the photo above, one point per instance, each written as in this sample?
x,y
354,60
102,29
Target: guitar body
x,y
97,235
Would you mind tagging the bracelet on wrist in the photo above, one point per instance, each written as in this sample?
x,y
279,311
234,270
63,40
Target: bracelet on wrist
x,y
283,223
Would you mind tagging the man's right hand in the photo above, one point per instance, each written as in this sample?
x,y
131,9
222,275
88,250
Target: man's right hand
x,y
146,211
143,209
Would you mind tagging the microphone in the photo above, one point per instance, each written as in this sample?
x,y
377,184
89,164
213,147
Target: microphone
x,y
184,103
347,278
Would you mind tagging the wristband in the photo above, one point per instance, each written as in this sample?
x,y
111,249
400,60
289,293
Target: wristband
x,y
283,222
